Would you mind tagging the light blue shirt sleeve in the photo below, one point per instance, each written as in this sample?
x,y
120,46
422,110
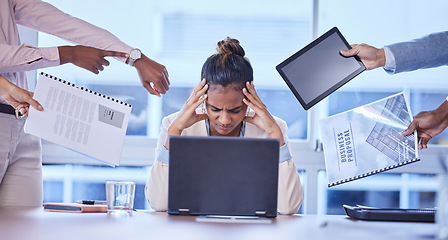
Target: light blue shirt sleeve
x,y
427,52
164,155
285,154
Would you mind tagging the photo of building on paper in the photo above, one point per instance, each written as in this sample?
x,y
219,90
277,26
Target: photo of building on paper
x,y
367,140
388,139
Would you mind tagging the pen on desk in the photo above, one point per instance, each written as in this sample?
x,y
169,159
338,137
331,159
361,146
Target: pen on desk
x,y
92,202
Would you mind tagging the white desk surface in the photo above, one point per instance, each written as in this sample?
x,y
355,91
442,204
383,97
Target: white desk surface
x,y
36,224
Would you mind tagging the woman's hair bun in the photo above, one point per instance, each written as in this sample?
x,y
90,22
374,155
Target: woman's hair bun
x,y
230,46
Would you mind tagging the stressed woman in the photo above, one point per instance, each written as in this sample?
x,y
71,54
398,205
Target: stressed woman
x,y
225,103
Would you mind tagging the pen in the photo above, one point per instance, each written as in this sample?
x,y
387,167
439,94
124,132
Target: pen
x,y
92,202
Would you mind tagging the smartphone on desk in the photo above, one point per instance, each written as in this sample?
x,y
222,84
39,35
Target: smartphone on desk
x,y
390,214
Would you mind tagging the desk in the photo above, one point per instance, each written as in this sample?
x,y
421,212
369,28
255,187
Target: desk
x,y
36,224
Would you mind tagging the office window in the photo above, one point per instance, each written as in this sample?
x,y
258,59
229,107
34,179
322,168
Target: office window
x,y
384,190
400,21
70,183
180,35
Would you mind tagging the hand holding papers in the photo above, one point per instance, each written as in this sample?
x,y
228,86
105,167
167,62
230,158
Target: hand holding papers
x,y
367,140
80,119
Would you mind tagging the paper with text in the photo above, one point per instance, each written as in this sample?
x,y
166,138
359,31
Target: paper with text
x,y
79,119
367,140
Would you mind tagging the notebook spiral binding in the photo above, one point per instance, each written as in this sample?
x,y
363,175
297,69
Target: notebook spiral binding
x,y
373,172
84,89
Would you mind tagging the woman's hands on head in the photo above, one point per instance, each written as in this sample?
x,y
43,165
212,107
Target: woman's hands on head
x,y
262,118
187,115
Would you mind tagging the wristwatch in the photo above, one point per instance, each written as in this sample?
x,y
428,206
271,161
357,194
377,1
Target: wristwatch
x,y
135,55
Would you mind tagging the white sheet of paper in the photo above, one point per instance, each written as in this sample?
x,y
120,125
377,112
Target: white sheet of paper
x,y
79,119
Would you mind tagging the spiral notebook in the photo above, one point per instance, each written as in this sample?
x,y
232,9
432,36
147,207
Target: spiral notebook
x,y
79,119
367,140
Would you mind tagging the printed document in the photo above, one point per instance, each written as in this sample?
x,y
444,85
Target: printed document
x,y
367,140
79,119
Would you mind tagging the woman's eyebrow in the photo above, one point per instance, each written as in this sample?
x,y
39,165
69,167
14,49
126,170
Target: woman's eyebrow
x,y
233,109
214,106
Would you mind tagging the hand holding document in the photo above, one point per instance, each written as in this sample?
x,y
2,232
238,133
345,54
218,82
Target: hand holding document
x,y
368,140
79,119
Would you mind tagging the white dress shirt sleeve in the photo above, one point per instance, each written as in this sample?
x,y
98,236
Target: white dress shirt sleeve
x,y
390,60
156,189
290,190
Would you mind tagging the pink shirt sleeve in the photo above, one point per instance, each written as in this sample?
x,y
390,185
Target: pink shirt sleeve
x,y
27,57
46,18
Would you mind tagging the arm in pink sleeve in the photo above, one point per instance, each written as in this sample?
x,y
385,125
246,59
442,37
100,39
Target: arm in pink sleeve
x,y
26,58
46,18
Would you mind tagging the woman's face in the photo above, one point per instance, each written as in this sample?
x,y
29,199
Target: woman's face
x,y
226,110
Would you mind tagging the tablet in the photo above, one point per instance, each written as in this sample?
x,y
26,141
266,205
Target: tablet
x,y
319,69
390,214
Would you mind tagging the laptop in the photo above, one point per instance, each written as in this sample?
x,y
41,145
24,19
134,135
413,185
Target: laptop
x,y
223,176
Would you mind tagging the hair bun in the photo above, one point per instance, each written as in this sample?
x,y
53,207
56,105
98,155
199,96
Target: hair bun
x,y
230,46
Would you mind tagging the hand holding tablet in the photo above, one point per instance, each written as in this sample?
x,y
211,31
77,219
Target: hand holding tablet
x,y
319,69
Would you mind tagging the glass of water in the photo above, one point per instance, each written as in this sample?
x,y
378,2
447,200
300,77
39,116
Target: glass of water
x,y
120,196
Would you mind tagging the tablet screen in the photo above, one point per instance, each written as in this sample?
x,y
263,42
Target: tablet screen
x,y
319,69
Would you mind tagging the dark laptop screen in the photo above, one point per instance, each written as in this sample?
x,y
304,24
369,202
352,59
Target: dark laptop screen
x,y
223,176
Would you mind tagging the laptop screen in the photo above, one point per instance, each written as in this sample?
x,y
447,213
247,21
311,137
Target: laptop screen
x,y
223,176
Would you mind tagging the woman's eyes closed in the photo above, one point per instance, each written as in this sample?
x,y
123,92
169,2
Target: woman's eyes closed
x,y
231,111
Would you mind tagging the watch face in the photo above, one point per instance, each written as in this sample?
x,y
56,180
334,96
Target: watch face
x,y
136,54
